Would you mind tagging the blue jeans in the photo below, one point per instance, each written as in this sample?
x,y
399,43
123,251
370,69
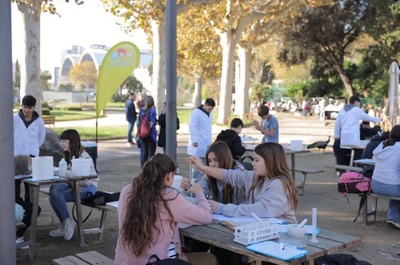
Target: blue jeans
x,y
130,130
61,193
148,148
392,191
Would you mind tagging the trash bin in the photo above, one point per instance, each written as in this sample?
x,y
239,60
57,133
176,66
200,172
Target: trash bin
x,y
91,148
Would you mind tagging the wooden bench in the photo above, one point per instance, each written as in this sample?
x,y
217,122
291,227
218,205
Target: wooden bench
x,y
366,213
305,172
98,229
49,120
343,168
85,258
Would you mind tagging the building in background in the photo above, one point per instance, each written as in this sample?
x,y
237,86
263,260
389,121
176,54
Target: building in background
x,y
96,53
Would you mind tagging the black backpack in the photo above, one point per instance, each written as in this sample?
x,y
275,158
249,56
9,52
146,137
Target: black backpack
x,y
154,260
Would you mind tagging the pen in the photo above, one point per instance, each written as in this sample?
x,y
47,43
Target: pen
x,y
291,246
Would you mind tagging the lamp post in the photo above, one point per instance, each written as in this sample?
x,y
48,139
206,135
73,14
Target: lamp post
x,y
197,89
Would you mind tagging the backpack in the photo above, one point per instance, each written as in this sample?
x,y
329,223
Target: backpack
x,y
154,260
144,128
355,182
99,198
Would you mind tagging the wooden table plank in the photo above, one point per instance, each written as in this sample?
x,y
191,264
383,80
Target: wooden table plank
x,y
348,241
218,235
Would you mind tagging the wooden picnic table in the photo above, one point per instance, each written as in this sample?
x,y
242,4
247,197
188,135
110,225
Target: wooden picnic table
x,y
217,235
290,152
34,186
365,162
360,146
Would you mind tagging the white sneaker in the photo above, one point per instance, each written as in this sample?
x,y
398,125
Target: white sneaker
x,y
60,232
69,228
393,224
21,240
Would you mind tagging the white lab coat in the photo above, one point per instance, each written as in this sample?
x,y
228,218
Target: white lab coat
x,y
27,140
200,131
347,126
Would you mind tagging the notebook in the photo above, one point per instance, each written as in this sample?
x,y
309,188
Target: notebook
x,y
274,249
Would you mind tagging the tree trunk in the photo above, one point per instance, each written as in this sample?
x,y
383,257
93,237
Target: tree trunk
x,y
159,65
225,99
242,91
197,90
346,81
30,68
237,85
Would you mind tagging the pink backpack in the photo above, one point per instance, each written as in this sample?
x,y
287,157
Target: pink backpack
x,y
354,182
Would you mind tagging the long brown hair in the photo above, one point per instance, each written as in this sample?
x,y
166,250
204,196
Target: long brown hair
x,y
277,168
144,203
75,146
226,161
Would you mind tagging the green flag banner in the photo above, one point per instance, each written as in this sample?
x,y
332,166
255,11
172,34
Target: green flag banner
x,y
117,65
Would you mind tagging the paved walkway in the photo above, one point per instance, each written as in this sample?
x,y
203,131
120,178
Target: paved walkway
x,y
118,164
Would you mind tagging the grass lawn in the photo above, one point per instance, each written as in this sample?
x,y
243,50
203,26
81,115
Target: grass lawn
x,y
89,133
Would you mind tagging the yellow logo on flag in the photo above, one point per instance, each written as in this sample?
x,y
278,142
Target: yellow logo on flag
x,y
117,65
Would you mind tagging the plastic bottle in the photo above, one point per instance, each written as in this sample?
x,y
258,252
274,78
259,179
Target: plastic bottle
x,y
62,167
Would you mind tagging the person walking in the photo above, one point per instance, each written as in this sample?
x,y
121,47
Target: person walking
x,y
130,113
200,133
29,135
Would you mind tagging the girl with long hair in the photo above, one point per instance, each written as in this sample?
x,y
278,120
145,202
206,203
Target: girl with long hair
x,y
149,211
61,193
270,188
218,155
149,144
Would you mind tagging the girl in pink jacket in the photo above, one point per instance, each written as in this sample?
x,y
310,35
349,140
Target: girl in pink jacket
x,y
149,211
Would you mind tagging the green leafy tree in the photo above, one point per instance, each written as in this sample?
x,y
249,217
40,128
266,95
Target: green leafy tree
x,y
17,76
45,77
384,29
66,87
259,92
133,85
325,34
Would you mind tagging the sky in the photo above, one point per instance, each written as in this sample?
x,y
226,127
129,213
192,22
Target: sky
x,y
78,25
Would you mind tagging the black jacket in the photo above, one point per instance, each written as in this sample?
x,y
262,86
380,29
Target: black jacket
x,y
232,139
162,121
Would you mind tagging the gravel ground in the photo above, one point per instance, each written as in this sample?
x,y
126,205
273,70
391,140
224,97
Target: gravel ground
x,y
117,165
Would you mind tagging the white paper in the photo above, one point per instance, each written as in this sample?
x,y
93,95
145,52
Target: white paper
x,y
241,220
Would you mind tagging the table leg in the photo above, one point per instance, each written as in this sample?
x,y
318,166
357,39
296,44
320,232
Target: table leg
x,y
35,199
79,213
293,163
351,157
